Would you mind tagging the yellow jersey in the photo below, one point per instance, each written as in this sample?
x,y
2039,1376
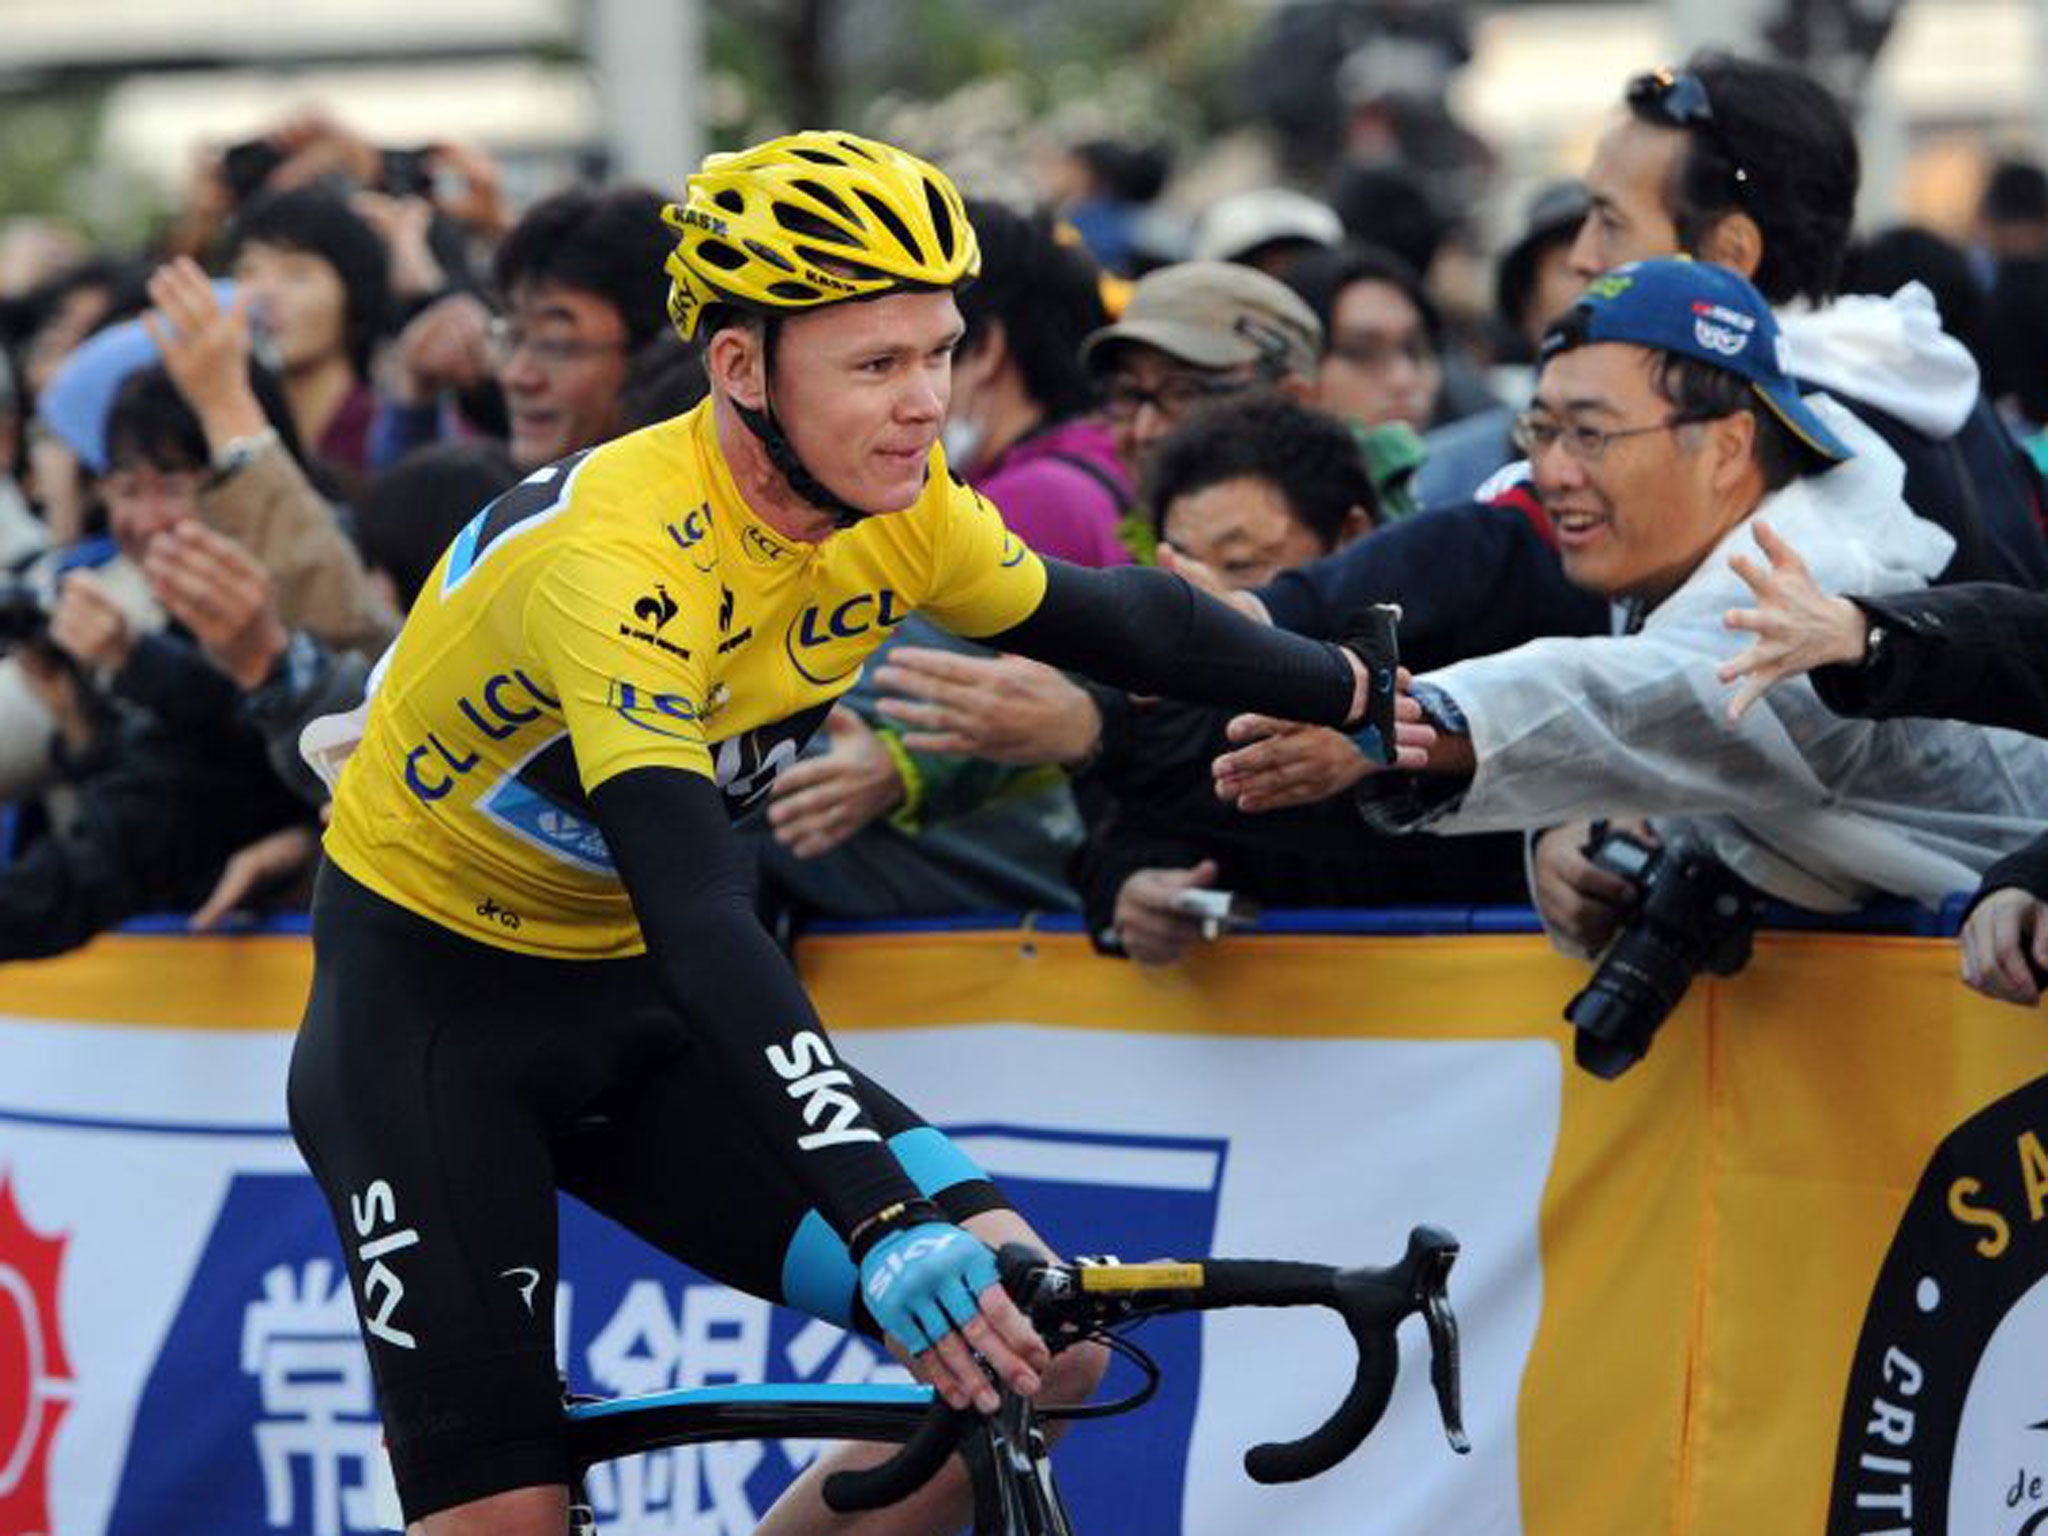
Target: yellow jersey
x,y
624,608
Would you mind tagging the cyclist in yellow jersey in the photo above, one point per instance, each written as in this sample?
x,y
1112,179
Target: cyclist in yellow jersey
x,y
537,966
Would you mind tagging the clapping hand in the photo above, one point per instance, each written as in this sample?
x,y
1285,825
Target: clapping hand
x,y
218,591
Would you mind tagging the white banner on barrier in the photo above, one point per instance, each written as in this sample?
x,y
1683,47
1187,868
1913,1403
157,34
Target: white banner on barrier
x,y
171,1281
1331,1150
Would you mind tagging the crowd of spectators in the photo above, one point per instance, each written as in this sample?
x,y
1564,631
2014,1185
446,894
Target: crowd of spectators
x,y
229,462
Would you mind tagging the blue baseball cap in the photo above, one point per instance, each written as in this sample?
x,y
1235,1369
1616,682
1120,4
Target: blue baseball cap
x,y
1697,310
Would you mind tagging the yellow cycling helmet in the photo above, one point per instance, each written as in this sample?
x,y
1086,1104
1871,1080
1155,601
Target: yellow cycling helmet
x,y
810,219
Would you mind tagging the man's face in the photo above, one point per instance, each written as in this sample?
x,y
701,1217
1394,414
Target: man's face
x,y
1243,529
561,358
1149,392
1635,520
298,299
1629,183
861,390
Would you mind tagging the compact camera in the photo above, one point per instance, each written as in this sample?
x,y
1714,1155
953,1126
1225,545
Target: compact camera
x,y
1692,914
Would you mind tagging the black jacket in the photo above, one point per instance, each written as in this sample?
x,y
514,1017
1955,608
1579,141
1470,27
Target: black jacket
x,y
184,785
1979,485
1976,652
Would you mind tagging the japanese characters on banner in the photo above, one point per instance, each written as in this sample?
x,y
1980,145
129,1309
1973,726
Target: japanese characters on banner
x,y
1787,1274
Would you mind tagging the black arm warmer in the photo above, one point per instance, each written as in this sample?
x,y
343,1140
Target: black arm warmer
x,y
1149,632
1976,652
692,888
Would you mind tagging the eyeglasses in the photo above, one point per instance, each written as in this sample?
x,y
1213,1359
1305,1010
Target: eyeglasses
x,y
506,338
1536,435
1375,354
1679,99
1177,394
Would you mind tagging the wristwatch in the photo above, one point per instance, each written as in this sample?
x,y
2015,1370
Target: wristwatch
x,y
1874,647
237,453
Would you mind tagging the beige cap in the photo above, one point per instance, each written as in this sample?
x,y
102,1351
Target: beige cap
x,y
1214,314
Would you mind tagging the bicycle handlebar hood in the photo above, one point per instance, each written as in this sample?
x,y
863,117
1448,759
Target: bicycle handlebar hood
x,y
810,219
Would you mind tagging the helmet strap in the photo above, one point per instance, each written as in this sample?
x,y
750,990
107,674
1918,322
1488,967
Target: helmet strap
x,y
781,452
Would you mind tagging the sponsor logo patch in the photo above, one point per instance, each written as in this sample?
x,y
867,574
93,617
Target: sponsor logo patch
x,y
1944,1426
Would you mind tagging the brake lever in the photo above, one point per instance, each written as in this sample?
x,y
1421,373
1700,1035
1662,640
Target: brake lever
x,y
1432,1282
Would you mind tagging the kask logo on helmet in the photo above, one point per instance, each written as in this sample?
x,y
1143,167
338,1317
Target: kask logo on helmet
x,y
825,279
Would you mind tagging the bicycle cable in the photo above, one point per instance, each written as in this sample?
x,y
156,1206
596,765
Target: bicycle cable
x,y
1117,1344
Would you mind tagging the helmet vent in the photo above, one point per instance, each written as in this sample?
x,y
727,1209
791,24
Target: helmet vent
x,y
825,195
817,157
718,254
802,222
769,254
854,147
942,220
730,201
894,224
796,293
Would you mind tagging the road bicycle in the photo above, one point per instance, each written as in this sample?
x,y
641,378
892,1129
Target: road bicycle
x,y
1011,1473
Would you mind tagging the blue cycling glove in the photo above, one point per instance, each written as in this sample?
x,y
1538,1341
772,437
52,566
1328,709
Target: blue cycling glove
x,y
921,1281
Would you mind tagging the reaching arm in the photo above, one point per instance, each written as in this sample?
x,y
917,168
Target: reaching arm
x,y
1568,728
1977,653
1150,632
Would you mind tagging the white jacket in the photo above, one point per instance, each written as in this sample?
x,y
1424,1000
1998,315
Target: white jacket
x,y
1808,806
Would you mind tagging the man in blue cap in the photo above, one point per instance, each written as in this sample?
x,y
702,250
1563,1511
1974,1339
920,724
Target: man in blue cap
x,y
1664,423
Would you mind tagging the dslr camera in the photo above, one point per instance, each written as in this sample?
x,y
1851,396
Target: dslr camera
x,y
1693,914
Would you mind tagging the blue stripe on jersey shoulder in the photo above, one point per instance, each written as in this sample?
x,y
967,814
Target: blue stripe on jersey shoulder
x,y
525,507
865,1394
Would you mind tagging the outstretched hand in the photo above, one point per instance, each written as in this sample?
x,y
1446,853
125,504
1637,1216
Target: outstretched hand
x,y
1797,626
1283,763
262,866
1008,709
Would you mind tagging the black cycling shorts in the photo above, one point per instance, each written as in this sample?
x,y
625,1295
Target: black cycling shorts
x,y
442,1091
